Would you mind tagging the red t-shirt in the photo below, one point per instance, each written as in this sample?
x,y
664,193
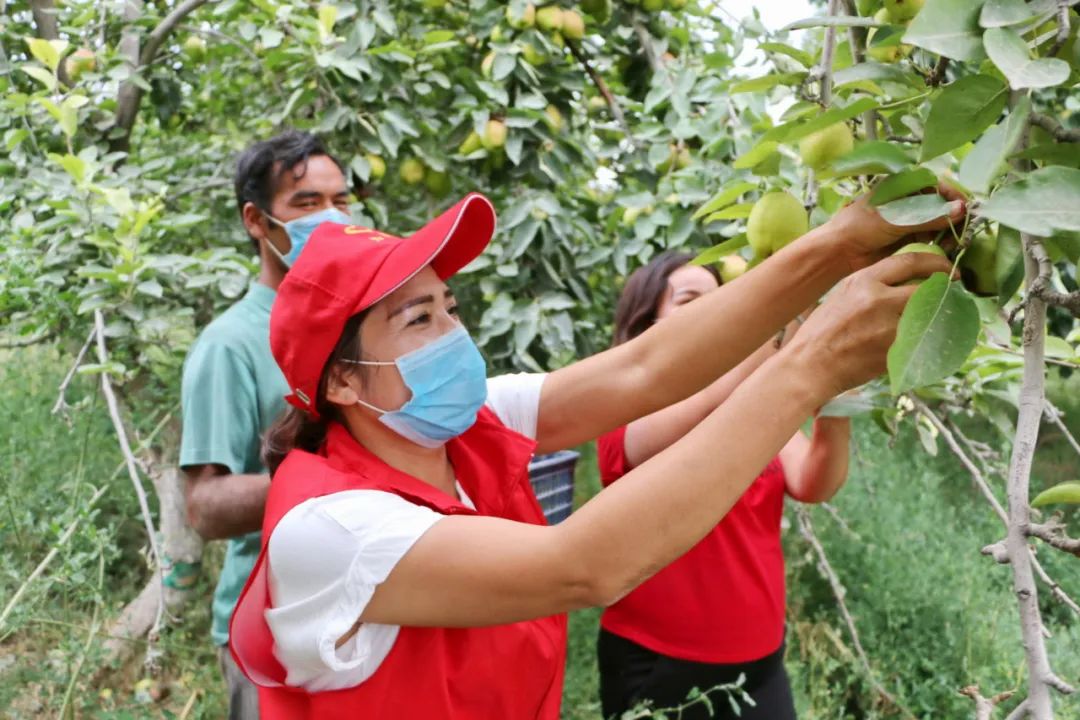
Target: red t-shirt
x,y
721,602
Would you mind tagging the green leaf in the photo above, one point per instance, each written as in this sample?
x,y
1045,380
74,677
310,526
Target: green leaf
x,y
271,37
43,76
949,28
1043,202
438,36
902,184
74,165
757,154
870,158
914,210
962,112
871,70
1000,13
722,250
47,52
986,160
1010,53
765,82
735,212
798,129
727,195
800,56
1008,264
937,332
1066,493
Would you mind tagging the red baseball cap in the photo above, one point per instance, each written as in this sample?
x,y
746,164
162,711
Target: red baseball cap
x,y
347,268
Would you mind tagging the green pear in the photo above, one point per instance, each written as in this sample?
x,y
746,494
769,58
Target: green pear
x,y
81,61
378,166
902,11
438,183
525,20
599,9
731,267
553,118
549,18
533,56
775,220
494,136
471,144
819,150
978,266
920,247
195,47
573,26
412,171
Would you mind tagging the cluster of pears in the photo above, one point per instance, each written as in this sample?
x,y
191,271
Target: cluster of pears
x,y
561,23
412,171
493,138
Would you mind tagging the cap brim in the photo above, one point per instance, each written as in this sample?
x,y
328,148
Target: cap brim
x,y
447,243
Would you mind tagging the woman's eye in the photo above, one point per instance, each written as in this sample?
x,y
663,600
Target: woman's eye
x,y
420,319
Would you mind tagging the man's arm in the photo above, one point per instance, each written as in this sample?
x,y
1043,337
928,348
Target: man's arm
x,y
220,504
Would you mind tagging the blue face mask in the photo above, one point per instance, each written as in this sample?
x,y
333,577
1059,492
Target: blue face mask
x,y
300,230
448,380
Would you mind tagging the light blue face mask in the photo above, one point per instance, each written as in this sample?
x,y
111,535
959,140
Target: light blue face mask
x,y
300,229
448,380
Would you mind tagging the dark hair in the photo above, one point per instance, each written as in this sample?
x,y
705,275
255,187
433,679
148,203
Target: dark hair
x,y
295,429
636,310
262,165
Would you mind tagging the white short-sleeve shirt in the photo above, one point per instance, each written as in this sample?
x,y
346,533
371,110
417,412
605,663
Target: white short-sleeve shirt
x,y
328,554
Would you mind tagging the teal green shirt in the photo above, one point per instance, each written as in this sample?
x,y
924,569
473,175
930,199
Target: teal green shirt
x,y
232,392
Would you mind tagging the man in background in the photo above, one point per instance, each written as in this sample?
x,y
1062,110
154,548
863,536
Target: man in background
x,y
232,389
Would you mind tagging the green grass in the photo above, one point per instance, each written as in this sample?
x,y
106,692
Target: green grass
x,y
933,614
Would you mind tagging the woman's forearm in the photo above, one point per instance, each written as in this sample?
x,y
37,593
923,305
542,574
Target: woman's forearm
x,y
824,468
659,510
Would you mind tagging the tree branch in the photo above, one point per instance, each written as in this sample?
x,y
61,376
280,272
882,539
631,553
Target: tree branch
x,y
1053,534
1063,28
605,91
61,400
806,529
1040,287
27,342
1054,416
823,72
130,94
1053,127
1031,403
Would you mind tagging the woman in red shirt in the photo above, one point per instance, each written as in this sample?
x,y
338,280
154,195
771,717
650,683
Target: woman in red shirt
x,y
718,611
406,571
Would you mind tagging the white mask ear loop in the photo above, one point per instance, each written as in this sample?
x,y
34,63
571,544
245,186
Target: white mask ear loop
x,y
369,406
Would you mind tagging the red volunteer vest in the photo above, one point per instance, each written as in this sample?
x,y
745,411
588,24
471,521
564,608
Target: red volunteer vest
x,y
503,672
721,602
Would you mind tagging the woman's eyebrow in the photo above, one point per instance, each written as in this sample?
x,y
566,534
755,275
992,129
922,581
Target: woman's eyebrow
x,y
420,300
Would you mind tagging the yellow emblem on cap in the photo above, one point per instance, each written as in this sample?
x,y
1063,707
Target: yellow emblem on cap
x,y
373,235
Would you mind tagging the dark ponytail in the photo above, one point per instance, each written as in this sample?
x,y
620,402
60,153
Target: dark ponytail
x,y
295,429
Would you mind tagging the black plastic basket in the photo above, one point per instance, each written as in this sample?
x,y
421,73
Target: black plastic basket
x,y
552,479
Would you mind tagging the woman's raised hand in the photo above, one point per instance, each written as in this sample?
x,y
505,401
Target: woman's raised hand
x,y
865,237
844,342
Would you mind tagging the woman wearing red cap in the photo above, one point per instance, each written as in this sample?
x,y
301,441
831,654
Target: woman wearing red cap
x,y
716,613
406,569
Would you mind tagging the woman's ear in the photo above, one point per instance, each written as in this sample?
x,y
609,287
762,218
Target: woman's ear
x,y
338,389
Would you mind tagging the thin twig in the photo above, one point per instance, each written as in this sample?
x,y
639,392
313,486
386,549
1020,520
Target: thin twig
x,y
61,400
605,91
90,636
937,75
984,706
824,73
1053,127
1054,415
806,529
125,447
1019,711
